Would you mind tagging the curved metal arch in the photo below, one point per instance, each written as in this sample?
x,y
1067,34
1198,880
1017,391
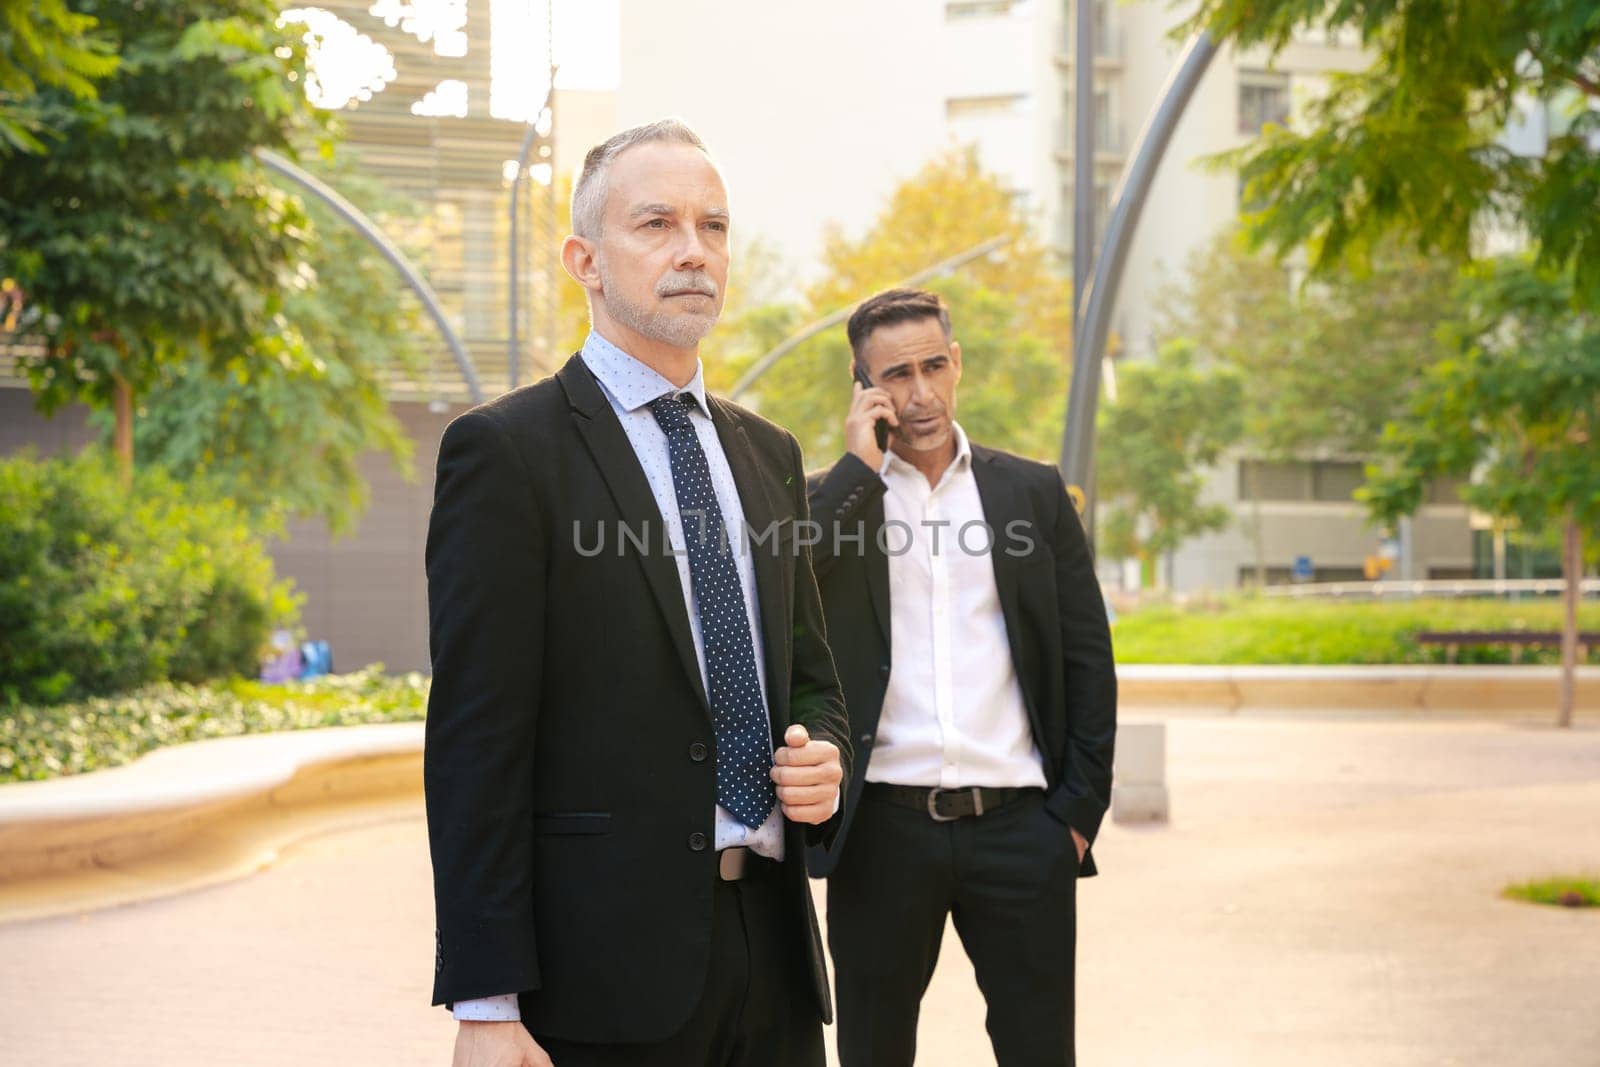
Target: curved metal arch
x,y
1089,340
368,229
811,329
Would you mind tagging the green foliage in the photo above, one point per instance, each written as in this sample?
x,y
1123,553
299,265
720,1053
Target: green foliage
x,y
45,742
1517,406
105,590
43,42
1566,892
1008,310
1412,146
148,234
285,434
1262,630
1171,420
1326,364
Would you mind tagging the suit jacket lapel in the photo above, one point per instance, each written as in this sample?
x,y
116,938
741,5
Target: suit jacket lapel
x,y
877,568
755,498
613,453
1001,505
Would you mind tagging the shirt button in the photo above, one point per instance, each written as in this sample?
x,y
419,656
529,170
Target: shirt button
x,y
698,752
697,842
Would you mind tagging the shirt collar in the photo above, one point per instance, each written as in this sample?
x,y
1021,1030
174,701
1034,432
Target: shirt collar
x,y
959,464
629,382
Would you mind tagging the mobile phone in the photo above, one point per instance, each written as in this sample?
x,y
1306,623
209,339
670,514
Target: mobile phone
x,y
880,429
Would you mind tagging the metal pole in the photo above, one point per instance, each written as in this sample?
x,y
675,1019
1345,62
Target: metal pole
x,y
1089,340
1082,160
365,226
513,331
513,301
810,330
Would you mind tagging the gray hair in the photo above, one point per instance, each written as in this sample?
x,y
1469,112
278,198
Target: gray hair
x,y
589,192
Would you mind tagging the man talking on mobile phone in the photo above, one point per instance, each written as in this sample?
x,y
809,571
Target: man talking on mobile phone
x,y
971,640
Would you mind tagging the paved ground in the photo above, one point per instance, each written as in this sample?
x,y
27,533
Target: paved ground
x,y
1325,894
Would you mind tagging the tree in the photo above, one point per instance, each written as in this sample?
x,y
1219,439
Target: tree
x,y
1323,364
148,236
1009,312
1171,419
286,434
1517,407
43,42
1413,145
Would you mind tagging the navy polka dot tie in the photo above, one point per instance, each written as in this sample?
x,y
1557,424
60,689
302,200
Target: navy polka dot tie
x,y
744,742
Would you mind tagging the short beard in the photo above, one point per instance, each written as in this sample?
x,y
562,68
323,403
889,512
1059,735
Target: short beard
x,y
678,331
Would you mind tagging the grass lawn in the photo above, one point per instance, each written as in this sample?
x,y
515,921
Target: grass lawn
x,y
1253,630
1567,892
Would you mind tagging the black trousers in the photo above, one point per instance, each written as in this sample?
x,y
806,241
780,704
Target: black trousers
x,y
1009,880
758,1008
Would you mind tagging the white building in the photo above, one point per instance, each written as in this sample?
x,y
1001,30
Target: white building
x,y
817,112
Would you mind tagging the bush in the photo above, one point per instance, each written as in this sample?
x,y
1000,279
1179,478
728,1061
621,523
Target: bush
x,y
45,742
105,590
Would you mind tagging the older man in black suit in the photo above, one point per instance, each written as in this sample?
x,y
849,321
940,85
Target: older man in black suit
x,y
635,727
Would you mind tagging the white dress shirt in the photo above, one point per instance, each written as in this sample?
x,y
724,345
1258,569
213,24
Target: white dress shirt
x,y
630,386
953,714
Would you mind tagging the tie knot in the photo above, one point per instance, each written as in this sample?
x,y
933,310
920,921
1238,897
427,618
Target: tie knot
x,y
672,411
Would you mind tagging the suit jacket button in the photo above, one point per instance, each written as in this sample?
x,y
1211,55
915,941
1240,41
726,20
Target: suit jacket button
x,y
697,842
866,739
884,670
698,752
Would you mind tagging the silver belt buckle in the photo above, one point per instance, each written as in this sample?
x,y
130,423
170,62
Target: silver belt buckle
x,y
933,805
731,862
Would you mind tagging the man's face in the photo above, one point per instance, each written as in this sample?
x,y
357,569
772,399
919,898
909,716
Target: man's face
x,y
663,249
919,370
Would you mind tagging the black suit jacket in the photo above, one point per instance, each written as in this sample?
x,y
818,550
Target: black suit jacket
x,y
1055,623
569,764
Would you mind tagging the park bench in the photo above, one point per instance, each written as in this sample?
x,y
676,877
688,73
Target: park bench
x,y
1452,640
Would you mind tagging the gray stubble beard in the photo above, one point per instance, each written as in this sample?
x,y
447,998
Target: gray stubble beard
x,y
679,331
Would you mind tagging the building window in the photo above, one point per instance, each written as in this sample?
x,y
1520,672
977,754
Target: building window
x,y
1325,481
1107,138
976,9
1336,482
1107,40
971,107
1259,480
1263,98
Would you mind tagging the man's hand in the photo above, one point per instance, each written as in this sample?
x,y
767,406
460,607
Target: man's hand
x,y
867,406
808,774
497,1045
1083,846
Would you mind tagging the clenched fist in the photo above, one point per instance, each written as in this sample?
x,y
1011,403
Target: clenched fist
x,y
808,774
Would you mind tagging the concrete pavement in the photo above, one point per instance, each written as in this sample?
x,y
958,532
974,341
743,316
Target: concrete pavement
x,y
1326,893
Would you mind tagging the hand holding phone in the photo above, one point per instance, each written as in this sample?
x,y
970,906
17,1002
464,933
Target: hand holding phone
x,y
880,429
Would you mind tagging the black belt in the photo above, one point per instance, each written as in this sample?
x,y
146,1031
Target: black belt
x,y
947,805
736,863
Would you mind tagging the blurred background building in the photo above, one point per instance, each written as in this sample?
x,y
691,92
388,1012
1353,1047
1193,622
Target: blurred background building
x,y
816,115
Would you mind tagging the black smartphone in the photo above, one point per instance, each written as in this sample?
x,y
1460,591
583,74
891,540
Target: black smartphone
x,y
880,429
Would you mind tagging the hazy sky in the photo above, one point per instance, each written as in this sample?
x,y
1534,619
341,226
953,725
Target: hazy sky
x,y
585,43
